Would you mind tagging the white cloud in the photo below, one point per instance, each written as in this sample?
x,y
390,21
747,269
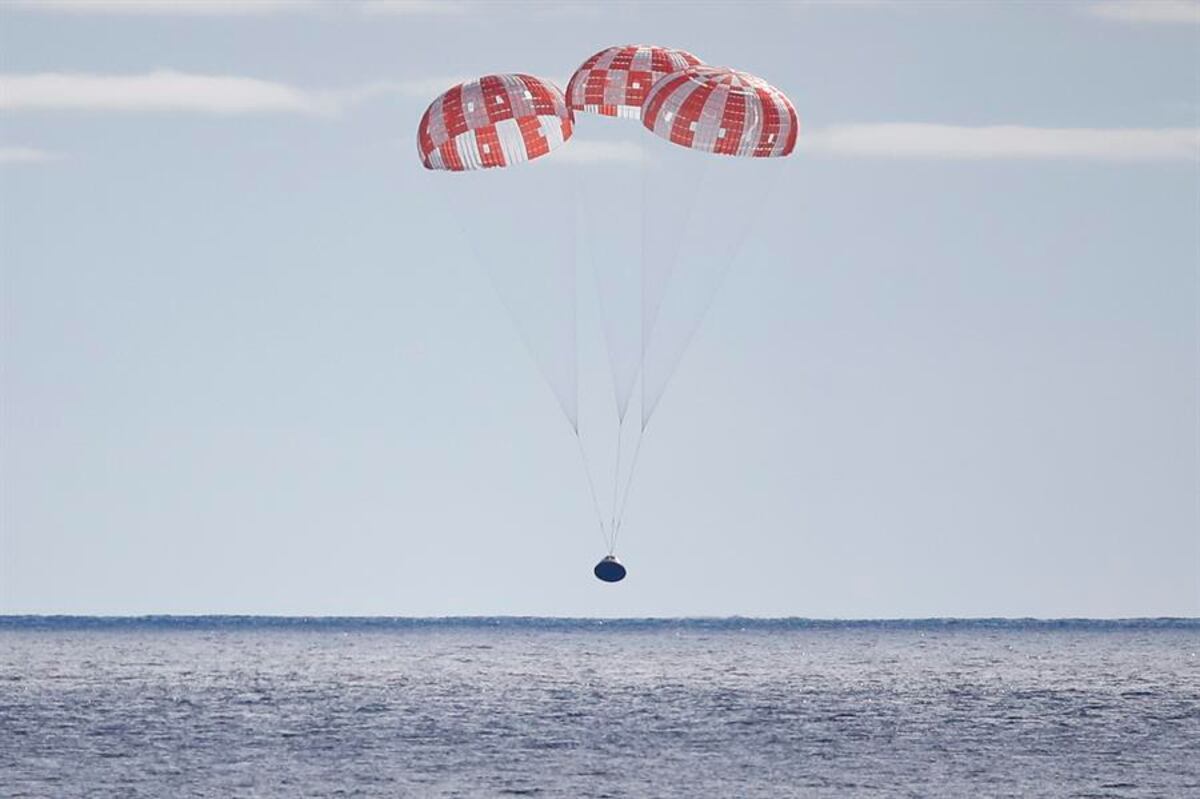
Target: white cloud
x,y
25,155
163,90
847,3
174,7
166,90
582,151
571,10
243,8
916,140
412,7
421,88
1165,11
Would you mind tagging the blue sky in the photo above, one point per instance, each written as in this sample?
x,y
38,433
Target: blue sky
x,y
953,370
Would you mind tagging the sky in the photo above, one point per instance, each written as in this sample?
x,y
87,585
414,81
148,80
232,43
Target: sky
x,y
951,371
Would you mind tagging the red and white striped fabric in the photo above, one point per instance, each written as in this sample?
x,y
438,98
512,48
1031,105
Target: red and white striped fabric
x,y
723,111
615,81
497,120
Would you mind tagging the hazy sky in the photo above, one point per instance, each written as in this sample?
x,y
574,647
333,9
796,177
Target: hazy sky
x,y
953,372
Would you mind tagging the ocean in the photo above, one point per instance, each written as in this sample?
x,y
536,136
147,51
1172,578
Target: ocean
x,y
482,707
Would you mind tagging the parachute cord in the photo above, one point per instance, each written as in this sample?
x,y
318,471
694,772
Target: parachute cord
x,y
587,470
722,274
637,450
616,474
689,206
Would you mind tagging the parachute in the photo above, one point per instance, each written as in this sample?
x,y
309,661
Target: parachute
x,y
494,121
722,111
655,219
480,130
615,81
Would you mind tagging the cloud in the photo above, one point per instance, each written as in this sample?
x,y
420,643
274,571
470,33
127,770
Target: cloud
x,y
25,155
163,90
1162,11
243,8
421,88
412,7
571,10
582,151
916,140
166,90
199,8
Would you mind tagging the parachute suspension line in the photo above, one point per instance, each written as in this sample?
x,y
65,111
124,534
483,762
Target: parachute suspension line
x,y
616,478
477,253
587,470
649,404
619,512
575,190
735,250
645,166
637,450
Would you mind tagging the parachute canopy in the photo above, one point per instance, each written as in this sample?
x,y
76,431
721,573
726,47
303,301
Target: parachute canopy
x,y
722,111
615,81
497,120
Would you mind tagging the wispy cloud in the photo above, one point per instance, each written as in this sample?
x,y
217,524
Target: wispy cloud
x,y
419,88
1151,11
25,155
162,90
428,88
212,8
412,7
848,3
167,90
582,151
577,10
917,140
246,8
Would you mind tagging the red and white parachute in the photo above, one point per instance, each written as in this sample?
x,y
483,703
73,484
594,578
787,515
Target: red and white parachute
x,y
723,111
494,121
615,81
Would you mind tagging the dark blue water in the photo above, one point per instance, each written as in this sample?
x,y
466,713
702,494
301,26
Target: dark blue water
x,y
219,706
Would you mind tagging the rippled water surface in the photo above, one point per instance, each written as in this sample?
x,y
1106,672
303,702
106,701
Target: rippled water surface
x,y
253,707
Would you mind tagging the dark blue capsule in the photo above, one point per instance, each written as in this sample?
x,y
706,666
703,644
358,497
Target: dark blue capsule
x,y
610,570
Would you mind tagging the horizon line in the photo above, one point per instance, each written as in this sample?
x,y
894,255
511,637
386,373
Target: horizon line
x,y
518,618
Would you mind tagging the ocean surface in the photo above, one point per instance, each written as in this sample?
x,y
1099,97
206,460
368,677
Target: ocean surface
x,y
232,707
